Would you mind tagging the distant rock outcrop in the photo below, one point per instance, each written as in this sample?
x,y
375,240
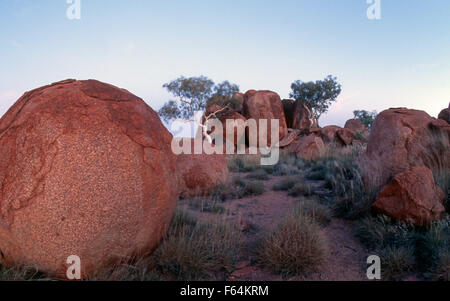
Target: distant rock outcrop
x,y
339,136
265,105
86,169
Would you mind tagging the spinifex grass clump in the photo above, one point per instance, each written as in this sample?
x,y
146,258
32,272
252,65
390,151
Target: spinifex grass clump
x,y
21,273
342,176
198,251
434,250
318,212
404,248
259,174
287,183
244,163
296,247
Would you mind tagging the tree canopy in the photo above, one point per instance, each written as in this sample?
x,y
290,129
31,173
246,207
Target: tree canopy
x,y
318,95
366,118
192,95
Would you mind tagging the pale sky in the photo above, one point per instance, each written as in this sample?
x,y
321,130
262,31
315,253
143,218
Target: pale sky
x,y
401,60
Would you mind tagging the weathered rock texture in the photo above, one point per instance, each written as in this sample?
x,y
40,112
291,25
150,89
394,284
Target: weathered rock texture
x,y
298,115
356,126
265,105
86,169
237,123
339,136
412,196
445,114
401,139
200,173
308,147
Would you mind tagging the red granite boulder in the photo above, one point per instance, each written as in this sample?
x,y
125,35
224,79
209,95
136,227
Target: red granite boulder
x,y
401,139
412,196
200,173
265,105
86,169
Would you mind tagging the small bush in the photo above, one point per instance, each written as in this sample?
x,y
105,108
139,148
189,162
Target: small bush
x,y
296,247
301,189
198,252
319,213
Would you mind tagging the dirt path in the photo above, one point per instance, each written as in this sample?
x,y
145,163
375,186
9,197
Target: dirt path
x,y
258,215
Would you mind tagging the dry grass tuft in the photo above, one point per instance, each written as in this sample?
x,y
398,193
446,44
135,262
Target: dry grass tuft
x,y
296,247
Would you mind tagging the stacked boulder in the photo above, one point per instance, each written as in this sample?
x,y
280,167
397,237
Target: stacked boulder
x,y
404,147
299,131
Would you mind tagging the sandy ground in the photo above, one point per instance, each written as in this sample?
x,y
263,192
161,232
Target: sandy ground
x,y
260,214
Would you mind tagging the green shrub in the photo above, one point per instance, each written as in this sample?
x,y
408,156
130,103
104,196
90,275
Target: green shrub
x,y
296,247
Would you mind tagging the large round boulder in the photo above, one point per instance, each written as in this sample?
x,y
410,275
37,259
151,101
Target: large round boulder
x,y
401,139
412,196
86,169
265,105
200,172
